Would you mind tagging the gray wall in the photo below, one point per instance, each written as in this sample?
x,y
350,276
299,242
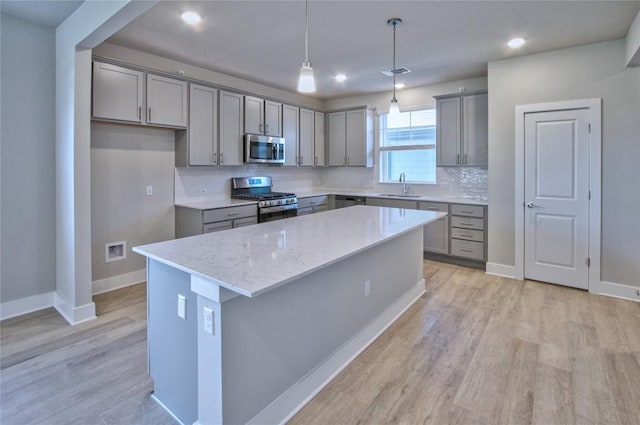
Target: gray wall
x,y
124,160
591,71
28,159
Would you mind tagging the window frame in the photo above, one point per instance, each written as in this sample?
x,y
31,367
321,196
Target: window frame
x,y
383,167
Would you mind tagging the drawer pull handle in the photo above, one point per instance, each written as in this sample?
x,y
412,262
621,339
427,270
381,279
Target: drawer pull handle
x,y
432,209
466,211
232,214
466,224
466,236
466,250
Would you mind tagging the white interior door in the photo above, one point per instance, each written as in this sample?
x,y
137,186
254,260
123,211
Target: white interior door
x,y
556,196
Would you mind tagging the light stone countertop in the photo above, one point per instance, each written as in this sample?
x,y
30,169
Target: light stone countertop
x,y
229,202
255,259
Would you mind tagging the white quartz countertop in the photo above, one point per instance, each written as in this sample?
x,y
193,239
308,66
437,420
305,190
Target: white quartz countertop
x,y
229,202
256,259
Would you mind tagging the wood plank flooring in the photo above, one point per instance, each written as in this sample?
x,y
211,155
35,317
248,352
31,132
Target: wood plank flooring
x,y
475,349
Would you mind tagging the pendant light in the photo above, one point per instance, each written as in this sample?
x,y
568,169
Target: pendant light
x,y
394,109
306,82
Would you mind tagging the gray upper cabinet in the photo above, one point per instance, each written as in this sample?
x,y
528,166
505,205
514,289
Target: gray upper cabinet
x,y
351,138
231,129
166,101
203,126
337,126
319,140
461,130
117,93
307,133
262,116
290,132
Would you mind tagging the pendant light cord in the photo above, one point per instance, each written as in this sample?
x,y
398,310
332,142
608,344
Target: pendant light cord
x,y
306,33
394,59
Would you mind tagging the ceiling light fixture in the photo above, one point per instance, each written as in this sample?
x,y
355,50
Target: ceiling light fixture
x,y
306,82
340,78
394,109
190,17
514,43
399,86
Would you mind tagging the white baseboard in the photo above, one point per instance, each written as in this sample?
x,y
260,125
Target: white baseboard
x,y
26,305
501,270
74,315
616,290
166,409
290,402
119,281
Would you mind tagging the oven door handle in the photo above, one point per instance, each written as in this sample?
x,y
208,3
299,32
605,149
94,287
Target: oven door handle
x,y
278,208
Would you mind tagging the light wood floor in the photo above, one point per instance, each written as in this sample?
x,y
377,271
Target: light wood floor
x,y
476,349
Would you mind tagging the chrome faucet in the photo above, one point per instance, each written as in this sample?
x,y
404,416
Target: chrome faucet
x,y
403,180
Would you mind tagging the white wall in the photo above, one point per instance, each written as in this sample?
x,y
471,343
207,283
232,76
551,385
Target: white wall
x,y
632,47
591,71
124,161
28,160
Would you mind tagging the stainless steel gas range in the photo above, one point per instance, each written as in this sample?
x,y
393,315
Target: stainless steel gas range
x,y
271,205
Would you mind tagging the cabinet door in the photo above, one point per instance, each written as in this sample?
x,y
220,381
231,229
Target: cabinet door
x,y
272,118
337,139
319,140
305,153
436,233
166,101
117,93
231,129
253,115
290,132
203,131
356,138
448,131
475,120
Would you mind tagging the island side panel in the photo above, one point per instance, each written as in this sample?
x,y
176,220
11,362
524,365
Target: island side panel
x,y
272,341
172,341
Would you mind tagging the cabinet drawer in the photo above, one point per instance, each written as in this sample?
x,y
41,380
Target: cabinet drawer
x,y
467,222
467,249
433,206
216,227
247,221
304,211
230,213
467,234
312,201
467,210
321,208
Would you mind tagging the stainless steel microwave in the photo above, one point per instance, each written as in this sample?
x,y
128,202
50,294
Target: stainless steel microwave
x,y
263,149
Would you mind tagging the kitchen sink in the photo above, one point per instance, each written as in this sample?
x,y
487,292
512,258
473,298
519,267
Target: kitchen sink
x,y
393,195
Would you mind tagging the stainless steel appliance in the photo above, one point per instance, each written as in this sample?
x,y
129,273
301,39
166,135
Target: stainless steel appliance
x,y
263,149
343,201
271,205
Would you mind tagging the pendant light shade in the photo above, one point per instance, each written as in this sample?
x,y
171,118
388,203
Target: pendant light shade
x,y
306,81
394,109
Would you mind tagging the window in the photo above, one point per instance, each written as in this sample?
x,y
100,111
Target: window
x,y
408,144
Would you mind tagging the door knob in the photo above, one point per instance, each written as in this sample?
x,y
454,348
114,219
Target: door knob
x,y
531,205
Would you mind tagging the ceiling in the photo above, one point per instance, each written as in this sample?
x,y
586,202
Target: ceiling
x,y
50,13
438,41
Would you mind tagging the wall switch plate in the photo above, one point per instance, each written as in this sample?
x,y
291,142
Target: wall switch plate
x,y
367,288
208,320
149,191
182,306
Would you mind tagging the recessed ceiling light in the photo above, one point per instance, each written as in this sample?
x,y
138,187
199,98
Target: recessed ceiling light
x,y
340,78
514,43
190,17
400,85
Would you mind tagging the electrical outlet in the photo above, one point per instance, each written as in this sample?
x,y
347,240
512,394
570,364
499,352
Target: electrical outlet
x,y
367,288
208,320
149,191
182,306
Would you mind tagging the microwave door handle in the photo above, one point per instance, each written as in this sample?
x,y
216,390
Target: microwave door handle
x,y
274,151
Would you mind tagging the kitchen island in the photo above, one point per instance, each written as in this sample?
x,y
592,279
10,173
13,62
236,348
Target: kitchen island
x,y
273,312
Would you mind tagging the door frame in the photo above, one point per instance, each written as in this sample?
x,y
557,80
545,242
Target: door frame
x,y
595,180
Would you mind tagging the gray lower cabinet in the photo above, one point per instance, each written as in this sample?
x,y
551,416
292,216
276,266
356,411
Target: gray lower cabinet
x,y
468,231
436,234
313,204
392,203
193,221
